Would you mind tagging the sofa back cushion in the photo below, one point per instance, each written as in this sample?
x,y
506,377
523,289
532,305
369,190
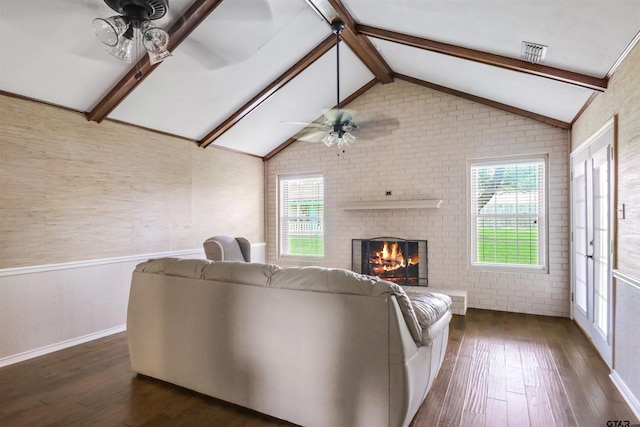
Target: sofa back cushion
x,y
321,279
341,281
247,273
191,268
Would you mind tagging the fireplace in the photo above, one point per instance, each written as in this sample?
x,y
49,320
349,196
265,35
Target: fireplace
x,y
400,261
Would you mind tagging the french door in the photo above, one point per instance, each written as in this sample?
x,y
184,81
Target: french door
x,y
592,251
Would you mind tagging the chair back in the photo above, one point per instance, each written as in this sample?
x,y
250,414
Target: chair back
x,y
226,248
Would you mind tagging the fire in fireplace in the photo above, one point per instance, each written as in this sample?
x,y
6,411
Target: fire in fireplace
x,y
397,260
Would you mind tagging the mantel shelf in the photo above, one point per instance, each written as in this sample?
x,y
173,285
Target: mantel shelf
x,y
393,204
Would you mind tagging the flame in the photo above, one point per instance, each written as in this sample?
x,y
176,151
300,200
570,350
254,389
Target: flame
x,y
390,258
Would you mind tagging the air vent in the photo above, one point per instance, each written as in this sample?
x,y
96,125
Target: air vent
x,y
533,52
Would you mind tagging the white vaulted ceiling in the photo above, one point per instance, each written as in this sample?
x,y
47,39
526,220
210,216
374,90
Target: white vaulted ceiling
x,y
251,67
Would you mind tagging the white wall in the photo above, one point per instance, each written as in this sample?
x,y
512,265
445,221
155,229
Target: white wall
x,y
426,158
626,374
46,308
50,307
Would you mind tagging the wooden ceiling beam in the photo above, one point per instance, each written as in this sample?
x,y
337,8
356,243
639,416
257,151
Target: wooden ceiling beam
x,y
359,44
577,79
179,31
485,101
270,90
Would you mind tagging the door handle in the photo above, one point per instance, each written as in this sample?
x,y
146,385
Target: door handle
x,y
589,256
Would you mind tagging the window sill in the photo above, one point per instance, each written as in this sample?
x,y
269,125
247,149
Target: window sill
x,y
509,268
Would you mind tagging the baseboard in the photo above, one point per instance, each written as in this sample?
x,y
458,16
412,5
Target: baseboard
x,y
628,396
10,360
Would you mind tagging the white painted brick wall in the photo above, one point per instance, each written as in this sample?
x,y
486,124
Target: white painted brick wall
x,y
426,158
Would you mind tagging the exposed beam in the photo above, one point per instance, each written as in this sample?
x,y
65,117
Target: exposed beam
x,y
589,82
359,44
178,32
480,100
343,103
267,92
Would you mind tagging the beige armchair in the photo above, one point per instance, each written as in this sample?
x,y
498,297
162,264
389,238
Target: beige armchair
x,y
226,248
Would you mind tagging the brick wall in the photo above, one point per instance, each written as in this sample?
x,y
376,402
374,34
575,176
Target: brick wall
x,y
426,158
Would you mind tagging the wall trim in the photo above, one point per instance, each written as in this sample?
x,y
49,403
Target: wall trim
x,y
629,280
628,396
91,263
30,354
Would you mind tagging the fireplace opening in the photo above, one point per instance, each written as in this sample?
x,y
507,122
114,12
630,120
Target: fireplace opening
x,y
400,261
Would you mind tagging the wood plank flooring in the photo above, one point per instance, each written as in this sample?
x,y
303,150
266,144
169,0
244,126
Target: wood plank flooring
x,y
509,369
501,369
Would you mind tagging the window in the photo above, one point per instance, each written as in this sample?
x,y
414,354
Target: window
x,y
508,213
301,207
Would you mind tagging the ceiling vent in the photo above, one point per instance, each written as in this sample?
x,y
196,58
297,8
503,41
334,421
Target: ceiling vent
x,y
533,52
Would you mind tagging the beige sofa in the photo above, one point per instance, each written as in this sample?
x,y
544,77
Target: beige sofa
x,y
310,345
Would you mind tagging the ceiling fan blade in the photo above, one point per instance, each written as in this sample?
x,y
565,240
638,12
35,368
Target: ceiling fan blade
x,y
376,128
245,10
338,115
305,124
310,135
210,59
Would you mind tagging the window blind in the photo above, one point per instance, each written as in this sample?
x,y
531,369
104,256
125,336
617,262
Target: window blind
x,y
301,210
508,212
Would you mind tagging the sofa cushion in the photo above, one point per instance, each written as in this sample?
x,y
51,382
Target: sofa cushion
x,y
429,307
321,279
190,268
154,265
248,273
429,333
341,281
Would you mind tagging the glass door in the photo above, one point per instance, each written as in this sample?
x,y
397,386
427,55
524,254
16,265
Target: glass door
x,y
591,198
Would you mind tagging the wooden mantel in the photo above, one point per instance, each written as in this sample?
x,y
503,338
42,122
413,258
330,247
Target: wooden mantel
x,y
393,204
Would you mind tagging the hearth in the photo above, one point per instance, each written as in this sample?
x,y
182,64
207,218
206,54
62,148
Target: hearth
x,y
393,259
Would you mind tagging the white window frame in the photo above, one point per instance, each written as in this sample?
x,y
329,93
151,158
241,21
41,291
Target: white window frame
x,y
542,216
282,238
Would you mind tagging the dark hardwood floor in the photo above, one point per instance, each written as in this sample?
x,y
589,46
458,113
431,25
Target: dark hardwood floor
x,y
501,369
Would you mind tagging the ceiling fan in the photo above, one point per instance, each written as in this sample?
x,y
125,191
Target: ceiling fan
x,y
134,21
337,126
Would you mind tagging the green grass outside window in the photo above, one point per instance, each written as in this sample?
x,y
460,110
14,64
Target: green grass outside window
x,y
306,246
508,246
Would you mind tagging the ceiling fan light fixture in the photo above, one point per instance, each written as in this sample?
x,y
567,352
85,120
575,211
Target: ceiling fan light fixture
x,y
109,30
155,57
330,139
339,139
154,39
123,49
347,139
117,32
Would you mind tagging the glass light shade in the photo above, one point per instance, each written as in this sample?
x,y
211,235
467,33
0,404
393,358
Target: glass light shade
x,y
155,39
155,57
347,139
109,30
122,50
330,139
